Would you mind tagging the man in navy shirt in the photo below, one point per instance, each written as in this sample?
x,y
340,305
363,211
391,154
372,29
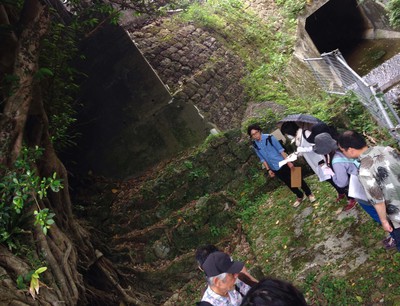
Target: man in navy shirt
x,y
270,152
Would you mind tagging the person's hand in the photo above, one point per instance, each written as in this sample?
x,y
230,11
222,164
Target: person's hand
x,y
386,226
290,165
271,173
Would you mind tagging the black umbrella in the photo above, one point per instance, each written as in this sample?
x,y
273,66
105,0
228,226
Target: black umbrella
x,y
303,121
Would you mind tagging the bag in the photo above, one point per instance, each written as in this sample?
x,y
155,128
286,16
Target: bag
x,y
268,140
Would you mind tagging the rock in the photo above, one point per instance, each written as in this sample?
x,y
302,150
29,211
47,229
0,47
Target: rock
x,y
160,249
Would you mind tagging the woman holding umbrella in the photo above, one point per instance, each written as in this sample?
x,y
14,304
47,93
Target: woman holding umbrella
x,y
298,128
270,152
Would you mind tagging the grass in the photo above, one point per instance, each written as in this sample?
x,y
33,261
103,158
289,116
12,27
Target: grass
x,y
265,50
335,258
267,53
292,244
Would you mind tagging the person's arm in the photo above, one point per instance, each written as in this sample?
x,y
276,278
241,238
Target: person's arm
x,y
246,272
284,155
379,203
268,169
381,210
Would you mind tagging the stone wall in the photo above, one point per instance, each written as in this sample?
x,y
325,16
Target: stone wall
x,y
197,69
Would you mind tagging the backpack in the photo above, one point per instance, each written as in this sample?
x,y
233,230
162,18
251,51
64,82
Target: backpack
x,y
267,140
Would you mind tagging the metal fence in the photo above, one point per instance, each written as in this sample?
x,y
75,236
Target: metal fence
x,y
336,77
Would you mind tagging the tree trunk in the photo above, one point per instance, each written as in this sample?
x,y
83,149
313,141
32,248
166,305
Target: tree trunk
x,y
66,250
24,119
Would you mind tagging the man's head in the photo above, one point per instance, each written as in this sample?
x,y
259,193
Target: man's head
x,y
254,131
203,252
274,292
352,144
221,271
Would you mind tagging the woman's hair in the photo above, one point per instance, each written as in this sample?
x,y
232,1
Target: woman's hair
x,y
274,292
253,127
289,128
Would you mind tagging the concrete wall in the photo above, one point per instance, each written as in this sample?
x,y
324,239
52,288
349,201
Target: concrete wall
x,y
340,22
128,120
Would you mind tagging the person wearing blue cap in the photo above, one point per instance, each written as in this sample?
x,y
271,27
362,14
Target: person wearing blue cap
x,y
224,287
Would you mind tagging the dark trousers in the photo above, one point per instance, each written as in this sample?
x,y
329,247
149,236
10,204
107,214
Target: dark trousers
x,y
396,235
340,190
284,175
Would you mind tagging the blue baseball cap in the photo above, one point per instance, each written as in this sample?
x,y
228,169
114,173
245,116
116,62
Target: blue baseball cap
x,y
219,262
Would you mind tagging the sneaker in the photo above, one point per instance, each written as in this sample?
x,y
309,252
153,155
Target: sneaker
x,y
389,243
340,197
350,205
312,198
298,202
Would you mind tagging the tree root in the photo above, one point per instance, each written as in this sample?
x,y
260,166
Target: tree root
x,y
106,267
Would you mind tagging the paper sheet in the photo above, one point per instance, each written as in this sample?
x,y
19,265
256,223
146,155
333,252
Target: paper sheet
x,y
292,157
304,149
356,190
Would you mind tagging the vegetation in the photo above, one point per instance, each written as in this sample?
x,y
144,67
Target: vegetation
x,y
37,99
21,188
394,12
203,196
265,50
286,242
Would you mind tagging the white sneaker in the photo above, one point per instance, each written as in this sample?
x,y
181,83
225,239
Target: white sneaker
x,y
312,198
298,202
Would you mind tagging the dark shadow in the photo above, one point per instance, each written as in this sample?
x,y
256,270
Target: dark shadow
x,y
338,24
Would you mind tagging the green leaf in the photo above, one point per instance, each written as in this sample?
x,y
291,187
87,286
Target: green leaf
x,y
34,286
45,72
50,221
41,270
20,283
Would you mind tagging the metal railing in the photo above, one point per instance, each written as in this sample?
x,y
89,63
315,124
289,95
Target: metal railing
x,y
335,76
